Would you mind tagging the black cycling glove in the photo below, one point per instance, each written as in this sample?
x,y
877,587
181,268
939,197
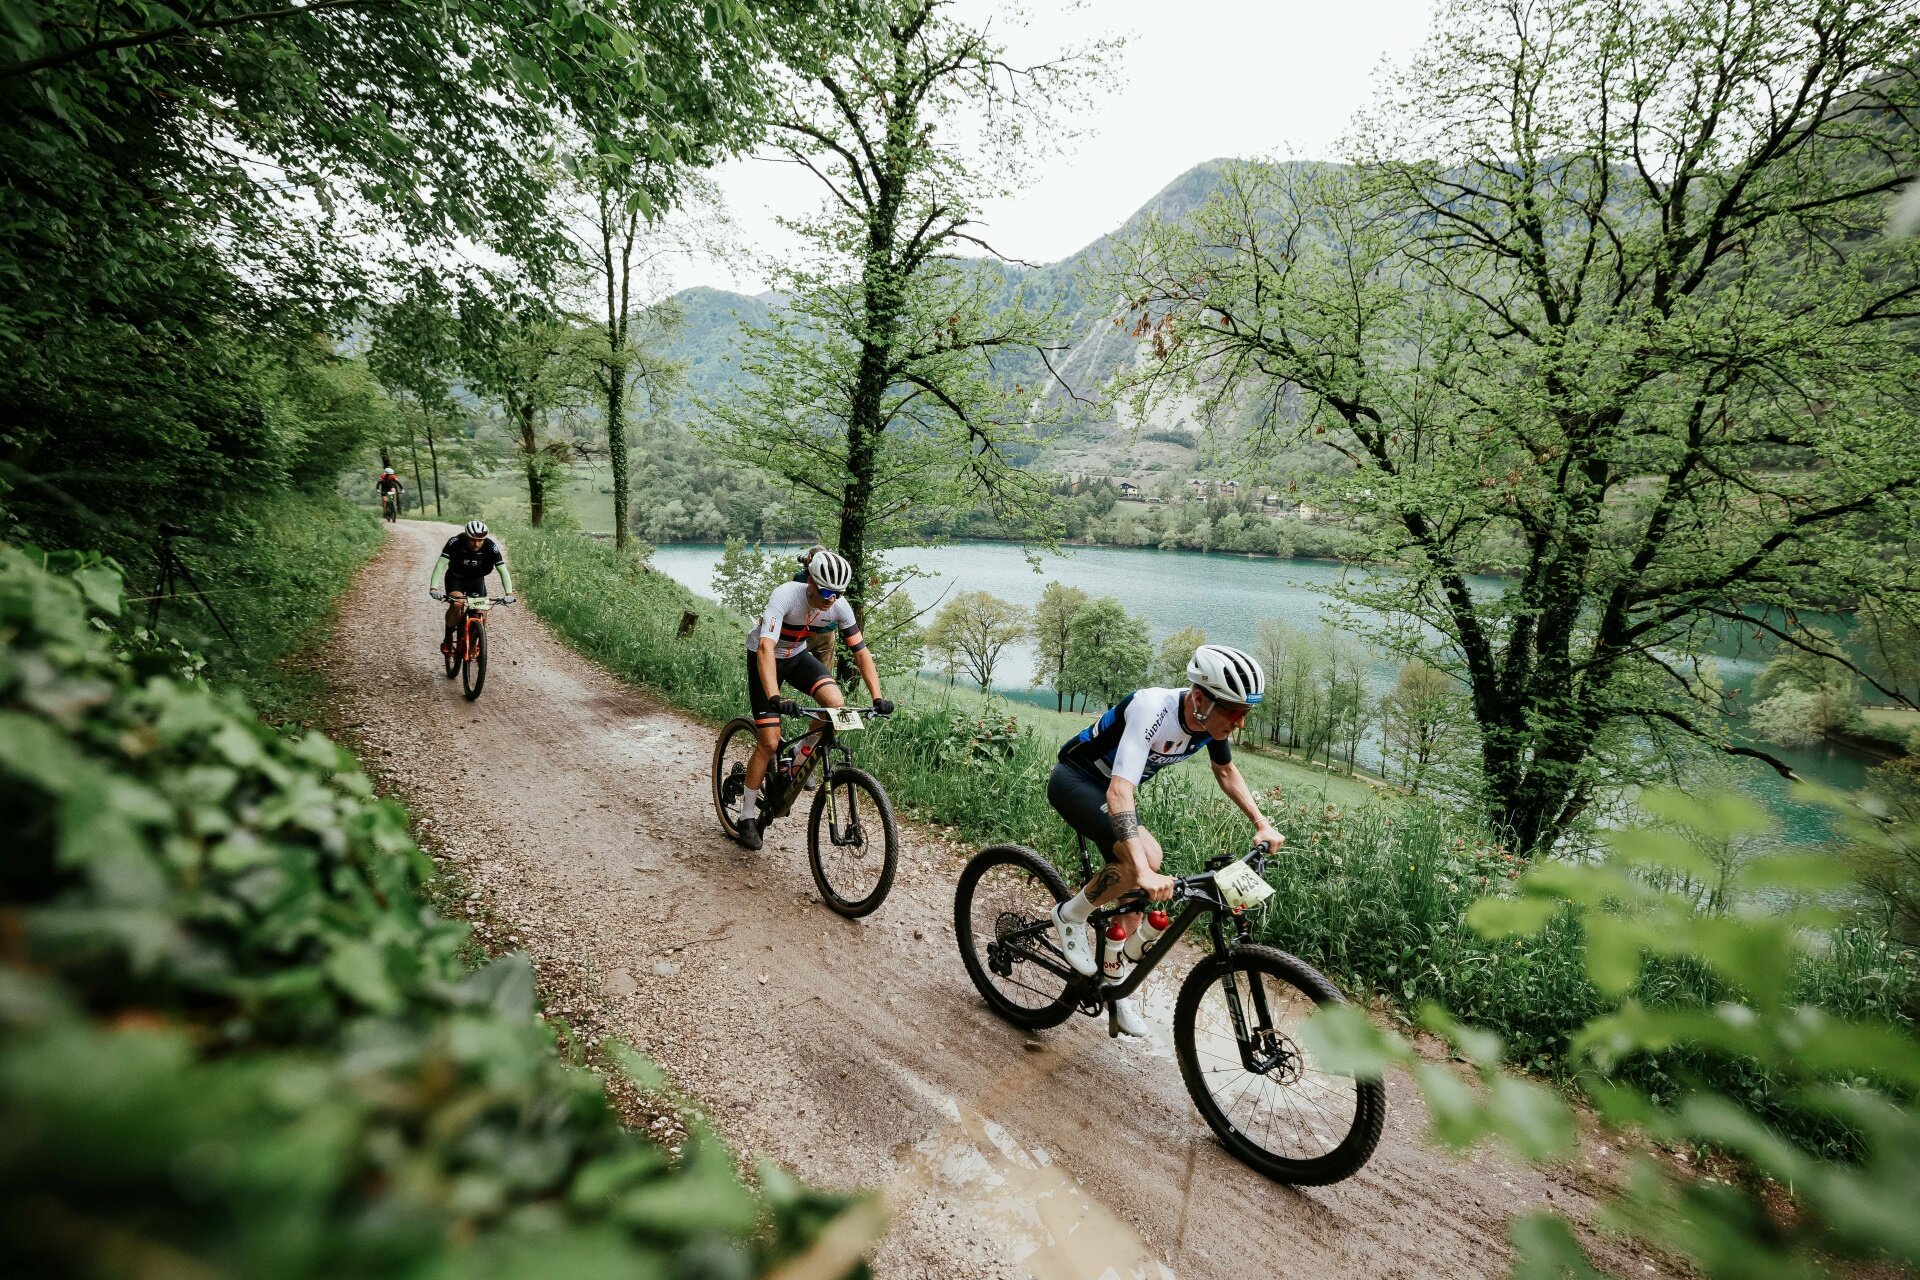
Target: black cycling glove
x,y
787,707
883,706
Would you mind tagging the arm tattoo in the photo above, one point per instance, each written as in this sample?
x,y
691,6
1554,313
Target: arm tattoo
x,y
1126,824
1103,880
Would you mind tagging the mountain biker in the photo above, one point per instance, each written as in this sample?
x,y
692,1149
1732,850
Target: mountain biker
x,y
388,483
1099,769
820,642
464,563
778,650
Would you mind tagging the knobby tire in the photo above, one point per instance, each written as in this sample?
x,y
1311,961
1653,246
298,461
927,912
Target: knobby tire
x,y
1348,1141
871,809
1048,1009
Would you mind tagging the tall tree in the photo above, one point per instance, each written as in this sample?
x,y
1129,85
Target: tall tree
x,y
1170,663
1109,652
194,190
1605,304
893,380
1052,636
532,363
972,630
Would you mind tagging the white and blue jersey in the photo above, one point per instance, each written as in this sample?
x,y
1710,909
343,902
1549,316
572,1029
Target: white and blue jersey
x,y
1140,735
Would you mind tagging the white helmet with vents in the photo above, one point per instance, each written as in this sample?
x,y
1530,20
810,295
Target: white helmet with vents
x,y
476,529
830,571
1228,674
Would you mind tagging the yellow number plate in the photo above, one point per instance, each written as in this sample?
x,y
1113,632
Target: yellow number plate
x,y
1241,886
845,719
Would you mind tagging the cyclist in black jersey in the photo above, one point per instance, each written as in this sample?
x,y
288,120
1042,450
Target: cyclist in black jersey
x,y
1093,786
464,564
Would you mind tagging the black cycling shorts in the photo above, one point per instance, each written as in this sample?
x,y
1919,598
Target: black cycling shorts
x,y
465,586
1081,798
803,671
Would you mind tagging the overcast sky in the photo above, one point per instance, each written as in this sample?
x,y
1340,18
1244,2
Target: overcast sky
x,y
1199,79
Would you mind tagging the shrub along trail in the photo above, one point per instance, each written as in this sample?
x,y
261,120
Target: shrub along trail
x,y
856,1052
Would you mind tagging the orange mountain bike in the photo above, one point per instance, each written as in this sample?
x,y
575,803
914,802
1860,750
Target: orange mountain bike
x,y
468,657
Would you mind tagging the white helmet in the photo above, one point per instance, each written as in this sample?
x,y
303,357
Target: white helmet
x,y
830,571
1227,674
386,471
476,529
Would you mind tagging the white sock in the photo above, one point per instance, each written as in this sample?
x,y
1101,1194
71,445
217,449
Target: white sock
x,y
1076,909
749,804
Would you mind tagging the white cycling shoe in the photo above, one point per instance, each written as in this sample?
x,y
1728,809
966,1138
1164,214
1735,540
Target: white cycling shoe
x,y
1074,945
1123,1019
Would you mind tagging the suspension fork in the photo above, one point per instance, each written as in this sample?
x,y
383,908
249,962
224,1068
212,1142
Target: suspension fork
x,y
1262,1019
834,827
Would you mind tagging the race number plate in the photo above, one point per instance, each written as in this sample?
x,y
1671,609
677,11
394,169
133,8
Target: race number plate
x,y
1241,886
845,719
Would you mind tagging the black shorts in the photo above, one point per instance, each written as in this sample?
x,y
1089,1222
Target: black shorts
x,y
465,586
1081,798
803,671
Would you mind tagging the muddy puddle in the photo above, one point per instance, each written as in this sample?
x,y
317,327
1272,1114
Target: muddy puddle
x,y
1039,1215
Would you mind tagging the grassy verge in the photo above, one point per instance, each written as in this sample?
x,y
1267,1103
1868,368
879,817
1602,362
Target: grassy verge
x,y
274,577
1375,893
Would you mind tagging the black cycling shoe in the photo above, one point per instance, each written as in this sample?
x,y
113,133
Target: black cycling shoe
x,y
747,831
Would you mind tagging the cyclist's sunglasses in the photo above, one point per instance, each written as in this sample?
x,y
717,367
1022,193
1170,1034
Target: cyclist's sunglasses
x,y
1234,713
827,595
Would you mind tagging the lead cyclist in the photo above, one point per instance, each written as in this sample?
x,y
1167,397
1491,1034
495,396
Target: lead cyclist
x,y
1102,766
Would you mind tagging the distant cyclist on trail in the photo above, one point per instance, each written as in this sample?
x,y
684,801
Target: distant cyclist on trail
x,y
389,483
1093,786
464,564
778,650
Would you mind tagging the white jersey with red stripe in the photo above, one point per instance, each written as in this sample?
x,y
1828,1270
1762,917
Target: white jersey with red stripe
x,y
790,619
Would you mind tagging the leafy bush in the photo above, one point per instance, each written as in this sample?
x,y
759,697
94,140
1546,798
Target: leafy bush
x,y
1858,1073
234,1040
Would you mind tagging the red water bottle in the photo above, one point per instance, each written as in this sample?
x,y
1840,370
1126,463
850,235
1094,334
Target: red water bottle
x,y
1147,934
1113,958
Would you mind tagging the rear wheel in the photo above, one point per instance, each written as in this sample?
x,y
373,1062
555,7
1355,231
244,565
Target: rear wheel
x,y
730,755
853,843
1003,892
1236,1030
473,668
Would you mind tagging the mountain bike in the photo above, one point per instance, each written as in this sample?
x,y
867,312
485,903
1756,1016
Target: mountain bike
x,y
390,506
468,658
1235,1022
853,843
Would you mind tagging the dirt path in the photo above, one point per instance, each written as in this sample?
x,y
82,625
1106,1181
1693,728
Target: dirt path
x,y
855,1053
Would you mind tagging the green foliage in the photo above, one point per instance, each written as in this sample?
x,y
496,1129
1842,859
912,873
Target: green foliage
x,y
1170,663
1108,652
1053,636
746,576
1857,1074
875,390
970,632
1644,351
233,1037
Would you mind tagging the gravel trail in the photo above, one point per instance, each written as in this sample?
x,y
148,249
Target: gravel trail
x,y
855,1053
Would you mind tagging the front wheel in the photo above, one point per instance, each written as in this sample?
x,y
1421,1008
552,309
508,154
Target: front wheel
x,y
853,843
473,668
1002,918
730,755
1236,1031
452,655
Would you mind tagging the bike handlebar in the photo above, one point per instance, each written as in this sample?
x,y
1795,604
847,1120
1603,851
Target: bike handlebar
x,y
820,713
1189,888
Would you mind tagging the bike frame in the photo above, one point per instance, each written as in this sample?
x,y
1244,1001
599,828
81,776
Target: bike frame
x,y
818,722
473,613
1197,893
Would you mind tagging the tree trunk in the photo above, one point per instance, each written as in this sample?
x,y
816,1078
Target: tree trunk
x,y
413,447
433,456
530,450
617,450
